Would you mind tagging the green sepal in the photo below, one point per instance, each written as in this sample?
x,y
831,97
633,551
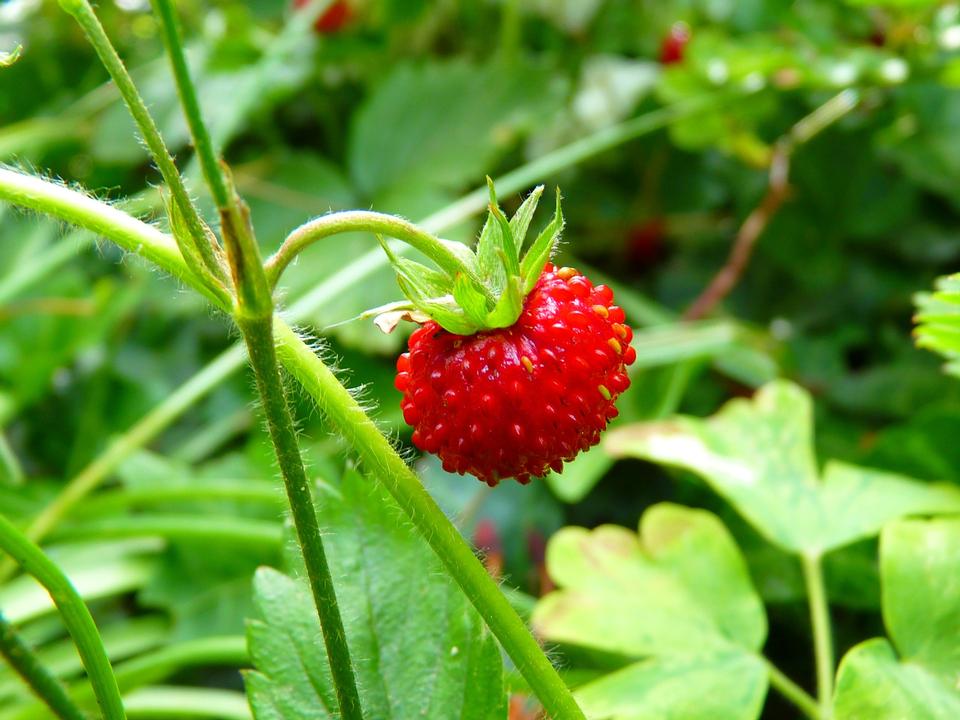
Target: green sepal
x,y
520,222
426,281
488,262
463,253
541,250
470,299
181,233
507,252
442,309
509,306
490,292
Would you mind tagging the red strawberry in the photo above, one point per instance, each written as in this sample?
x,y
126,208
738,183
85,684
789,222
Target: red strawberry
x,y
337,14
675,43
520,400
517,364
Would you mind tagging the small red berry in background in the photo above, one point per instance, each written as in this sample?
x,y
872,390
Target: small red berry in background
x,y
521,400
644,242
674,43
338,14
487,540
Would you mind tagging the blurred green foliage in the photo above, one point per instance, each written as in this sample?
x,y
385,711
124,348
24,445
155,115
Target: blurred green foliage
x,y
404,109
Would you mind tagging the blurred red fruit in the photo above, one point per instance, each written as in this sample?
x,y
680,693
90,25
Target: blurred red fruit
x,y
645,242
487,540
338,14
674,44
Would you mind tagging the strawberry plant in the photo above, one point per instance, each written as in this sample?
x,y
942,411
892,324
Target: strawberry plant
x,y
752,199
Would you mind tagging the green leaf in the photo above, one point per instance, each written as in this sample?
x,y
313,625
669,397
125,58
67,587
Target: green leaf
x,y
758,454
419,648
692,688
918,668
539,253
873,685
938,321
919,563
449,121
677,598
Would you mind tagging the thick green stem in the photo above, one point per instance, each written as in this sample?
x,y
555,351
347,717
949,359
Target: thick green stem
x,y
383,463
198,242
126,231
363,221
258,334
76,616
793,692
191,107
822,633
26,664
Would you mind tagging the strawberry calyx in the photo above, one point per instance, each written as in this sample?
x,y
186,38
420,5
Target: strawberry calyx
x,y
490,291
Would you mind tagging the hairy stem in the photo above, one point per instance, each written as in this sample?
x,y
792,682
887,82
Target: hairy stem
x,y
384,464
198,241
822,633
258,334
363,221
126,231
793,692
188,100
28,666
76,616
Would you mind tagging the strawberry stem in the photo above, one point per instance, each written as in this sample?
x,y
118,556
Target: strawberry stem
x,y
197,241
366,221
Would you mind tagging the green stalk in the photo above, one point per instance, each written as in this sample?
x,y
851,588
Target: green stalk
x,y
822,633
126,231
792,692
26,664
254,316
188,100
76,616
198,245
258,335
383,463
363,221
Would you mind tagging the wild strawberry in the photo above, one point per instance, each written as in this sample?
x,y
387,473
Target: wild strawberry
x,y
518,401
674,44
517,364
337,14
